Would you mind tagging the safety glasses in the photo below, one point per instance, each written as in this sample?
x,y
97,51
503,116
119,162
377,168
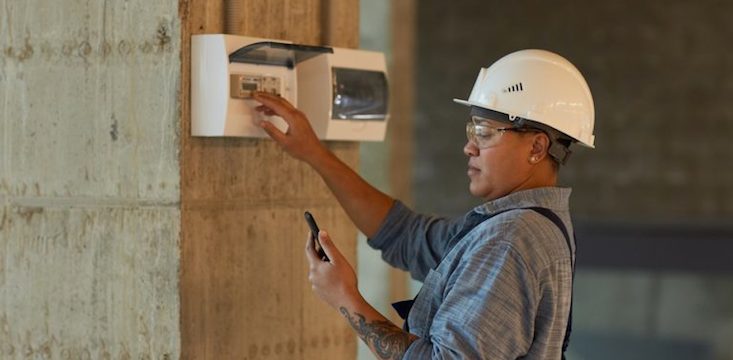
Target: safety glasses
x,y
482,134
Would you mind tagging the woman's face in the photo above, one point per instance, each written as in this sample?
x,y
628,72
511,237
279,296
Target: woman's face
x,y
501,168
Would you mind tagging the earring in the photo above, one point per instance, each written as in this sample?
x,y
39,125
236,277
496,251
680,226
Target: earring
x,y
533,159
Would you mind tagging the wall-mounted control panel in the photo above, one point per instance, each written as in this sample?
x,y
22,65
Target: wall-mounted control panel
x,y
344,92
242,85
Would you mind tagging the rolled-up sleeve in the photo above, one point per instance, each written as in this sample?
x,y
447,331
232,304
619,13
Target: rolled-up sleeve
x,y
412,241
486,311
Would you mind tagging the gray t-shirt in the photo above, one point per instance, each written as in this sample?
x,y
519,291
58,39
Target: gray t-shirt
x,y
501,291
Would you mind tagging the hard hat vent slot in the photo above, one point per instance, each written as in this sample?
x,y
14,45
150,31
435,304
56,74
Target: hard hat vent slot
x,y
514,88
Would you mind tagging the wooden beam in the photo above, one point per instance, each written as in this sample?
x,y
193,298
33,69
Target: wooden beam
x,y
244,288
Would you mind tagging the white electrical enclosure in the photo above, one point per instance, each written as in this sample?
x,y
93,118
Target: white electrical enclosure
x,y
344,92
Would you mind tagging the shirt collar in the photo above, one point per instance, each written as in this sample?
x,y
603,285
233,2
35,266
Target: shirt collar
x,y
553,198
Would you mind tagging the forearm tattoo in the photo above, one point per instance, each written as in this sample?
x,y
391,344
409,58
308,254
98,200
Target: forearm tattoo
x,y
387,340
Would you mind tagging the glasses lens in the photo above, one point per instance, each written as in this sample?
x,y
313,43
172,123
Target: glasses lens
x,y
469,132
481,134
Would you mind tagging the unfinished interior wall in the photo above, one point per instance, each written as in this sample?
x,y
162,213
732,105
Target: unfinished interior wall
x,y
89,179
244,288
94,106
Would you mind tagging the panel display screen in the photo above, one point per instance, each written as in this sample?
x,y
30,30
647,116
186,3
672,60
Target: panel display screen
x,y
359,95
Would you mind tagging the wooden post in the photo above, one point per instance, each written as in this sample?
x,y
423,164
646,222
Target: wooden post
x,y
244,288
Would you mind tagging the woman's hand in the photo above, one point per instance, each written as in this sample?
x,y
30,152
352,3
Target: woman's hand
x,y
333,281
299,141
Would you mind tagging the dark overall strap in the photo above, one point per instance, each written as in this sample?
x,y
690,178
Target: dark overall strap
x,y
403,307
550,215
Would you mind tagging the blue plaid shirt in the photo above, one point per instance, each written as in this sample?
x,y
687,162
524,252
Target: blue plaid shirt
x,y
501,291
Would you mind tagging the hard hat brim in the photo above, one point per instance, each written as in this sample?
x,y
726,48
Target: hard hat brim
x,y
464,102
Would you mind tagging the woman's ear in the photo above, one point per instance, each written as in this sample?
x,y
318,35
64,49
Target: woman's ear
x,y
540,146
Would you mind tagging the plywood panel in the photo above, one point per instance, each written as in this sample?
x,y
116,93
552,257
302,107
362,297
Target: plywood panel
x,y
244,288
250,282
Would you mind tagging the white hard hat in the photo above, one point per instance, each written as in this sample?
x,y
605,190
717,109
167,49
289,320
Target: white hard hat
x,y
539,86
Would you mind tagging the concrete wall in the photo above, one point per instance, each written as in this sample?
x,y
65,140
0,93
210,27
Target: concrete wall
x,y
89,244
244,287
102,189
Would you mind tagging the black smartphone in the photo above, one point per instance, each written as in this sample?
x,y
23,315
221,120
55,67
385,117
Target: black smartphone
x,y
314,235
